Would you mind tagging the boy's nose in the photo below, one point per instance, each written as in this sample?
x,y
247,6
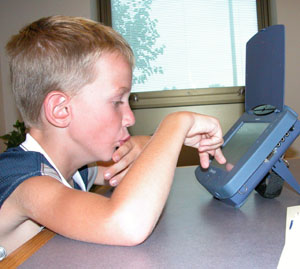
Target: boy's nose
x,y
128,119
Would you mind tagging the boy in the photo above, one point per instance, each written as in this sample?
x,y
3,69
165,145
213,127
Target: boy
x,y
71,78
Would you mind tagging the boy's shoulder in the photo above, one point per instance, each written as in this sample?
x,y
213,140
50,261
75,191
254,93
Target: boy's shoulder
x,y
16,161
18,165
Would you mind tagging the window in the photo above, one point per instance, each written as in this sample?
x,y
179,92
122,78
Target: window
x,y
186,48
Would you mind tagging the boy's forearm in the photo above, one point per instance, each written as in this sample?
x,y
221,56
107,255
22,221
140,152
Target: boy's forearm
x,y
144,190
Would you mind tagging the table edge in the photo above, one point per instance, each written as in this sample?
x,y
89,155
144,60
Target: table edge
x,y
21,254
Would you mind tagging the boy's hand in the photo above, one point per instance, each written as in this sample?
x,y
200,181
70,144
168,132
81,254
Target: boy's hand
x,y
206,135
123,157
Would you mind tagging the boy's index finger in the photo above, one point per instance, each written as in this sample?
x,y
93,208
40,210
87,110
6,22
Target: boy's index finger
x,y
219,156
120,152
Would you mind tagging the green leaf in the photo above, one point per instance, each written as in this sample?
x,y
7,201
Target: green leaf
x,y
15,137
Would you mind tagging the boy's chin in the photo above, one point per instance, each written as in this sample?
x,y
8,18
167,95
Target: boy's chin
x,y
108,156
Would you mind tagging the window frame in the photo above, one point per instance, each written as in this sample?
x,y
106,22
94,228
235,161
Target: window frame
x,y
189,97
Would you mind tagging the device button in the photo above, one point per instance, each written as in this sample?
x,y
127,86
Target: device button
x,y
243,189
217,195
278,145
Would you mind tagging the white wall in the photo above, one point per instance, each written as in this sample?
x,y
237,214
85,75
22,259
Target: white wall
x,y
15,14
287,12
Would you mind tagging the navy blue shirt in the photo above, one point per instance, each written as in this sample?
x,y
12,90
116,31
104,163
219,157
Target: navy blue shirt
x,y
17,165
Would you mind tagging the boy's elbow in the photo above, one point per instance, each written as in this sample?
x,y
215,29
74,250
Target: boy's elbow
x,y
133,235
132,230
131,241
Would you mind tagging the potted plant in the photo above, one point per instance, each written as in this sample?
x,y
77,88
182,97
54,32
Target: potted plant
x,y
15,137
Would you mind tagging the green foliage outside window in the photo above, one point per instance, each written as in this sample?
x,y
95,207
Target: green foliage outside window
x,y
143,33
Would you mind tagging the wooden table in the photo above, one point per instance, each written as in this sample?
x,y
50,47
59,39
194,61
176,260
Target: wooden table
x,y
186,235
21,254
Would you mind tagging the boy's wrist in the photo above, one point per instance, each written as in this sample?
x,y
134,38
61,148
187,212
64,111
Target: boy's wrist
x,y
183,120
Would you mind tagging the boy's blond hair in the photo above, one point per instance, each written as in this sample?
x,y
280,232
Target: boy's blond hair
x,y
57,53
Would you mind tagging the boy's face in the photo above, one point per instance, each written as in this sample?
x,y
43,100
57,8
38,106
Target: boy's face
x,y
102,113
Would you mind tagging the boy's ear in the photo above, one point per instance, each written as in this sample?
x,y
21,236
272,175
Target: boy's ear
x,y
57,109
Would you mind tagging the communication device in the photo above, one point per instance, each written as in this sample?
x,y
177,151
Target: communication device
x,y
255,145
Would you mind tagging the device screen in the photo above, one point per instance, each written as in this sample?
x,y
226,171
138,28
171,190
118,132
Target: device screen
x,y
240,142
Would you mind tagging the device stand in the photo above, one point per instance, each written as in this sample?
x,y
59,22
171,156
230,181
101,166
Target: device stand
x,y
271,185
282,170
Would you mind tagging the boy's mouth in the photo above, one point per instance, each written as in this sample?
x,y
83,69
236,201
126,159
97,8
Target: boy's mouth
x,y
121,142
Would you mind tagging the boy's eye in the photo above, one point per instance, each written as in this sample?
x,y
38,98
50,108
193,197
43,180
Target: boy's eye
x,y
116,103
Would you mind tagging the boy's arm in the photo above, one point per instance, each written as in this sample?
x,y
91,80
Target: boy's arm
x,y
145,188
130,214
122,159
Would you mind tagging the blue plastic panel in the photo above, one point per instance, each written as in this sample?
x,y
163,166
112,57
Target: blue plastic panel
x,y
265,68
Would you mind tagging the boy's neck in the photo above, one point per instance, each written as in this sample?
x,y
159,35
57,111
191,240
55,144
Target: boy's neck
x,y
57,149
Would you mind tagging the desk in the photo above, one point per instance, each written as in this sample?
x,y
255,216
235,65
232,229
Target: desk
x,y
194,231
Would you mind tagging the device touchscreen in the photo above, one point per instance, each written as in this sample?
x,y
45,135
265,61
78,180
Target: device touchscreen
x,y
240,143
